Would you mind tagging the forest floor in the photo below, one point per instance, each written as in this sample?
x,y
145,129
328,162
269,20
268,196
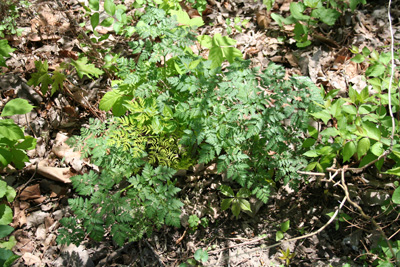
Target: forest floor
x,y
44,188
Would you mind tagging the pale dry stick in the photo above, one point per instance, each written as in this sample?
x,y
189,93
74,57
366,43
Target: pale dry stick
x,y
283,241
391,75
365,216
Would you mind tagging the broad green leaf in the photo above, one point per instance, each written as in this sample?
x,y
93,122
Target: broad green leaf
x,y
350,109
10,130
396,196
109,7
312,132
5,51
279,236
226,203
107,22
119,108
6,214
3,188
7,257
156,125
9,244
235,208
319,167
353,4
363,147
375,70
5,157
326,15
311,154
109,99
297,9
184,19
16,106
268,4
28,144
94,5
309,142
364,94
5,230
358,58
324,115
331,131
365,109
371,130
312,3
244,204
10,193
19,158
285,226
311,166
349,150
394,171
201,255
281,20
353,94
222,49
58,80
83,68
226,190
377,149
385,58
94,20
243,192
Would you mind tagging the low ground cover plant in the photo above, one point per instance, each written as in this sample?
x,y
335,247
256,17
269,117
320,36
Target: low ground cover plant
x,y
173,108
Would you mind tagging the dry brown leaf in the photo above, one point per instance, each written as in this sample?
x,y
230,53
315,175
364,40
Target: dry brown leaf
x,y
53,173
19,218
263,19
31,259
30,192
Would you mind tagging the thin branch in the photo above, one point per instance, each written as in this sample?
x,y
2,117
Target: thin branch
x,y
391,75
283,241
365,216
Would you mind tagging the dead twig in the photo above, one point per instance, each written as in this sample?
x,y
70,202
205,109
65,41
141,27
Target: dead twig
x,y
283,241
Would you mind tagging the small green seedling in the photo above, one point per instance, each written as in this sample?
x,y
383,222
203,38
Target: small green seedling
x,y
284,227
236,203
287,256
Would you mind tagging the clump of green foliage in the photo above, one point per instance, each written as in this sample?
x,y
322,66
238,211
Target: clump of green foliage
x,y
129,197
5,50
13,146
7,194
362,126
9,12
173,108
13,142
306,15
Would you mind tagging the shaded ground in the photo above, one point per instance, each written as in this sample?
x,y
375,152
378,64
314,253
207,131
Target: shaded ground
x,y
43,188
